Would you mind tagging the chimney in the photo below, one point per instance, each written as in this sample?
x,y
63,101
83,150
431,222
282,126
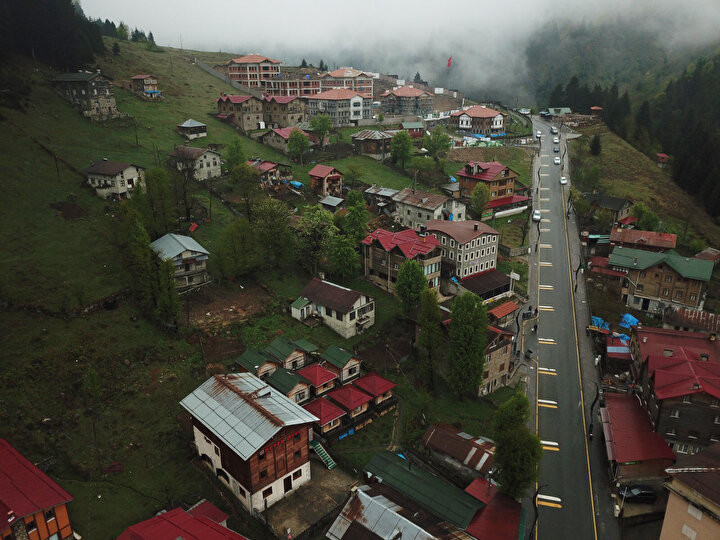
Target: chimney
x,y
644,339
635,261
10,516
475,227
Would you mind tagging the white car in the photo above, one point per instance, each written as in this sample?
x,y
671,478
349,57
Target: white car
x,y
538,134
556,140
563,180
536,215
556,161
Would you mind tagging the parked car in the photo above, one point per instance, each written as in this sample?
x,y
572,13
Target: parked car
x,y
554,130
556,149
538,134
635,493
536,215
556,161
556,140
563,180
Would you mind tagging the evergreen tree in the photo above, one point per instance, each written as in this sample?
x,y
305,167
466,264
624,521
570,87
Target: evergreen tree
x,y
315,230
430,338
272,231
150,37
303,64
116,49
401,147
410,283
343,257
168,302
246,182
418,78
468,338
143,268
595,145
322,66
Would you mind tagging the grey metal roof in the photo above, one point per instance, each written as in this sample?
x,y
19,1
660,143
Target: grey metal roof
x,y
171,245
332,201
370,134
77,76
191,123
381,191
243,411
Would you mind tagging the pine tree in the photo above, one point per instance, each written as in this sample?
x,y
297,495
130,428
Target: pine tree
x,y
116,49
468,337
410,283
595,145
303,64
430,339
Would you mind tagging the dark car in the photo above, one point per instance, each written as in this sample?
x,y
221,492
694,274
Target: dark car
x,y
556,149
638,494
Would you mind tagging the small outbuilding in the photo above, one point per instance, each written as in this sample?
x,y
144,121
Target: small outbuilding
x,y
192,129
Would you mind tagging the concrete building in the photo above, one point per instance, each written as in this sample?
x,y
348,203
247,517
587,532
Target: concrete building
x,y
407,100
414,208
188,257
203,163
478,119
114,179
344,107
467,247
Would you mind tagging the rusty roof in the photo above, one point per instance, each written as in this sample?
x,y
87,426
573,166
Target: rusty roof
x,y
420,199
243,411
473,452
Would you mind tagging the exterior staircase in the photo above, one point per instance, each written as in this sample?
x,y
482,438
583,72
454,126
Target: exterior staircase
x,y
323,455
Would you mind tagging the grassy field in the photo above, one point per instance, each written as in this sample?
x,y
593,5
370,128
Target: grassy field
x,y
626,172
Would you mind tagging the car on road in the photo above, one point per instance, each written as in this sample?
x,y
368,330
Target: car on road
x,y
538,134
556,140
556,149
563,180
536,215
636,493
556,161
554,130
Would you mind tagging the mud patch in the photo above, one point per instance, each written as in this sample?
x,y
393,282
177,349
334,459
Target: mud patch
x,y
69,210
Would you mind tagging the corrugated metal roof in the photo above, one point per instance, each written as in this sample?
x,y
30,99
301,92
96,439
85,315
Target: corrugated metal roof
x,y
171,245
191,123
243,411
381,191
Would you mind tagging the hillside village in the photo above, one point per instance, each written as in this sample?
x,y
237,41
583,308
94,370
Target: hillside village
x,y
252,300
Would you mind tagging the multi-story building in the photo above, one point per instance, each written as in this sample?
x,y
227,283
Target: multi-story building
x,y
693,507
498,360
343,106
145,85
384,252
90,92
478,119
656,281
188,257
251,70
326,180
499,179
280,137
647,341
347,77
246,112
467,247
283,111
407,100
413,208
201,162
252,437
113,179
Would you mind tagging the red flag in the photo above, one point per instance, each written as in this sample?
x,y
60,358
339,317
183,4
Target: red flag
x,y
449,61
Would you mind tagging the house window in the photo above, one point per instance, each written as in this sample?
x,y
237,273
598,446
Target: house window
x,y
692,435
668,353
217,450
717,420
686,399
267,492
49,514
263,473
352,370
31,526
299,396
675,413
678,295
681,448
668,278
296,437
715,402
382,262
452,243
642,273
694,511
693,297
688,532
639,287
296,454
297,474
670,432
442,241
396,266
352,315
338,316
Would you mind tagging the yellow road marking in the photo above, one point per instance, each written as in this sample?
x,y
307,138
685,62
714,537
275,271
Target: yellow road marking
x,y
545,263
546,287
546,308
550,504
551,448
547,405
546,246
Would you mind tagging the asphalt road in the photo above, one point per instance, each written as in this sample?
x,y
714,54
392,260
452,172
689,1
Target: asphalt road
x,y
566,505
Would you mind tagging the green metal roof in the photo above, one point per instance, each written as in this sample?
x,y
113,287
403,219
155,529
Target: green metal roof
x,y
687,267
252,359
284,380
280,348
300,303
305,345
336,356
439,497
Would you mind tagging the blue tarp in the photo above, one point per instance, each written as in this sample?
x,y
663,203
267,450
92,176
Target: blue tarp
x,y
627,320
599,323
453,179
455,280
625,338
297,184
450,217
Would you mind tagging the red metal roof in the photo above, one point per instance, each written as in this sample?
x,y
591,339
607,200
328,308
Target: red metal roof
x,y
489,170
137,77
345,72
324,410
349,397
629,435
177,523
629,220
596,108
407,241
499,519
24,488
505,201
374,384
316,374
285,132
600,265
662,156
692,318
262,166
108,168
504,309
655,341
705,483
675,377
321,171
478,111
639,238
253,59
209,510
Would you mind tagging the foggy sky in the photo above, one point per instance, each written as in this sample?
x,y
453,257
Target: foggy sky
x,y
486,38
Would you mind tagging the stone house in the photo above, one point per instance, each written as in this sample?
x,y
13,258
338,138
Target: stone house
x,y
252,437
656,281
407,101
414,207
246,112
204,162
278,138
89,92
384,253
326,180
283,111
114,179
498,360
345,311
188,257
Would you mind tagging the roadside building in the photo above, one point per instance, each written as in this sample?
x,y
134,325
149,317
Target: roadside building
x,y
499,179
691,320
478,119
498,360
693,508
656,281
384,253
33,505
709,254
501,517
326,180
618,207
246,112
467,247
407,100
617,358
204,163
345,311
192,129
637,239
114,179
504,314
343,106
188,257
146,86
413,208
89,92
252,437
468,455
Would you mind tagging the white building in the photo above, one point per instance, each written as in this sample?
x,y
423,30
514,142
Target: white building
x,y
468,247
413,208
114,179
189,258
206,163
